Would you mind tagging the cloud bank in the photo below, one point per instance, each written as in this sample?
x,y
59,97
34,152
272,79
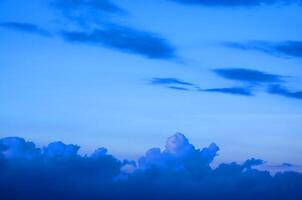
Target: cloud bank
x,y
180,171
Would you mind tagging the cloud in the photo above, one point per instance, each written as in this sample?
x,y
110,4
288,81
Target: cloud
x,y
280,90
237,3
287,164
125,39
287,49
86,13
59,150
88,5
168,81
15,148
25,27
178,88
232,90
173,83
179,171
248,75
252,162
87,22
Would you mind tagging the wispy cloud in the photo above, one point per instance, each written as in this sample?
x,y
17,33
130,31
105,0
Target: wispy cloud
x,y
179,88
286,49
237,3
248,75
165,81
25,27
244,91
249,81
88,5
86,13
179,171
173,83
125,39
280,90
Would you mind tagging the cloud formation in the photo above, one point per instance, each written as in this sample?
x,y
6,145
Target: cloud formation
x,y
287,49
244,91
88,5
91,25
173,83
125,39
248,75
280,90
86,13
237,3
168,81
25,27
180,171
249,80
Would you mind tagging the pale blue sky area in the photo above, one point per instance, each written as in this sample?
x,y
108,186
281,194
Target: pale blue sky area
x,y
126,74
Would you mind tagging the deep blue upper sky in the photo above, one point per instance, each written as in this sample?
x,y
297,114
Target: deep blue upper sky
x,y
123,72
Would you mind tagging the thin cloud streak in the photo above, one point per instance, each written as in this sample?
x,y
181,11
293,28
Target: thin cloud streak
x,y
25,27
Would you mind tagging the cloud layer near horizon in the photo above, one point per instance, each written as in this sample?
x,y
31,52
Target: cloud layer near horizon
x,y
180,171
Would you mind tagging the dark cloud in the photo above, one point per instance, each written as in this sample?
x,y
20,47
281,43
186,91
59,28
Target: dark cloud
x,y
25,27
280,90
244,91
179,171
125,39
237,3
286,49
248,75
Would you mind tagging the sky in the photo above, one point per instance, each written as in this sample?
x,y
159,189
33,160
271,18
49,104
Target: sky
x,y
126,74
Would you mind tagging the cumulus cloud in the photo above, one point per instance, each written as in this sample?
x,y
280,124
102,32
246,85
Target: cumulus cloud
x,y
25,27
237,3
15,148
286,49
179,171
125,39
59,150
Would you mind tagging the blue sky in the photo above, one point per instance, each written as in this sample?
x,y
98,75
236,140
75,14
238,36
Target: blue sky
x,y
129,72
